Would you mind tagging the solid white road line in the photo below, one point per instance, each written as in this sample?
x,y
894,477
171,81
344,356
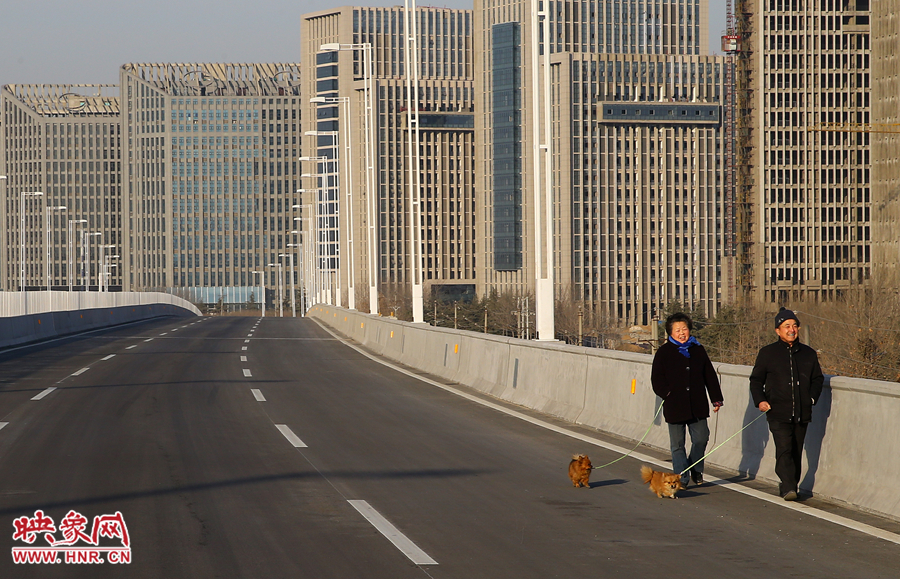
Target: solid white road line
x,y
44,393
80,372
130,347
247,373
737,487
407,547
2,424
243,358
289,434
108,357
258,395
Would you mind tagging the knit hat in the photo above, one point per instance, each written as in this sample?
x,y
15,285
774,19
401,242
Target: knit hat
x,y
785,314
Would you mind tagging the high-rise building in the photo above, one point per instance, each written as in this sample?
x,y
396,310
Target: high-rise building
x,y
805,70
60,153
446,150
210,167
641,214
886,144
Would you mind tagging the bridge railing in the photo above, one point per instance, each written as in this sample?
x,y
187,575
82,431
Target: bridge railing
x,y
849,454
27,317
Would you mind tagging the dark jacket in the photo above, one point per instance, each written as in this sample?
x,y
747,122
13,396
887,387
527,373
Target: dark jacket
x,y
683,383
789,379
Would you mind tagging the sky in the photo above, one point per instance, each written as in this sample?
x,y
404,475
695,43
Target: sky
x,y
66,42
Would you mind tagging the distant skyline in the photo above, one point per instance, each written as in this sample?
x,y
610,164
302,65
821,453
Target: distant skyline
x,y
57,42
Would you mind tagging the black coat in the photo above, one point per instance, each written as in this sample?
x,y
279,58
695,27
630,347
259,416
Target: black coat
x,y
789,379
684,382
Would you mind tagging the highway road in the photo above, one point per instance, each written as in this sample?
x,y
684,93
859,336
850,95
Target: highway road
x,y
240,447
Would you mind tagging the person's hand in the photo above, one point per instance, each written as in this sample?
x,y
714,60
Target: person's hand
x,y
717,405
764,406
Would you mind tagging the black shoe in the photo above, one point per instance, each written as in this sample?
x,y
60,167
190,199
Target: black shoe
x,y
697,477
790,496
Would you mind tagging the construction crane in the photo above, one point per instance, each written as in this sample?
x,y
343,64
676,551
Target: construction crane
x,y
856,128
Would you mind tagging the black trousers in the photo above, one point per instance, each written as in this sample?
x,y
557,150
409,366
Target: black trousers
x,y
788,438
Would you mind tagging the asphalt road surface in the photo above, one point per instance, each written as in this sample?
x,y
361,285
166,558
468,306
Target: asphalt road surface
x,y
234,447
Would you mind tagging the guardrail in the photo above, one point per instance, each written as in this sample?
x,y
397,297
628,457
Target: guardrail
x,y
849,454
27,317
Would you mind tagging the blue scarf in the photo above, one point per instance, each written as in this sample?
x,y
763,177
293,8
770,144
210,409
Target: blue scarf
x,y
683,348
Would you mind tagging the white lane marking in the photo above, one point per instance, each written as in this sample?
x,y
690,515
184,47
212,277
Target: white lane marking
x,y
243,347
44,393
183,327
246,341
130,347
149,340
250,335
108,357
289,434
247,373
80,372
164,333
737,487
258,395
243,358
2,424
401,541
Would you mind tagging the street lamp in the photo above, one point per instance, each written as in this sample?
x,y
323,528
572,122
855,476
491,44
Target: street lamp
x,y
22,236
47,237
105,265
542,168
293,291
280,290
86,257
262,292
411,29
351,255
332,214
71,250
366,49
324,281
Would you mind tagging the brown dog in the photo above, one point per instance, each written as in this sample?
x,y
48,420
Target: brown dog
x,y
664,484
580,470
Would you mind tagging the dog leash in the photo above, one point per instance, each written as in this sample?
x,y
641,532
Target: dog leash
x,y
722,443
658,410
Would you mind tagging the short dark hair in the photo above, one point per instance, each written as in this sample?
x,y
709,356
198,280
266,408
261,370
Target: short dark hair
x,y
678,317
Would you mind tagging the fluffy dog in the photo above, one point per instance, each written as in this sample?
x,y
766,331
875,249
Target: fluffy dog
x,y
664,484
580,470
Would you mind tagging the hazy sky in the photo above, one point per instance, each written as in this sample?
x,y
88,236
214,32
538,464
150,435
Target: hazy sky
x,y
55,41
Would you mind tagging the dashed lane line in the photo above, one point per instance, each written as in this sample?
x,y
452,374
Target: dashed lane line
x,y
130,347
258,395
289,434
401,541
247,373
243,358
44,393
108,357
2,424
80,372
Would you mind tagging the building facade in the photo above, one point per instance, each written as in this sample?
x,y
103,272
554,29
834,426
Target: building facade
x,y
446,127
210,168
806,69
886,140
63,142
642,215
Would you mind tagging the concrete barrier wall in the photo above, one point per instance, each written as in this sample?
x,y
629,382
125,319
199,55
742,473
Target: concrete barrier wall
x,y
849,454
27,317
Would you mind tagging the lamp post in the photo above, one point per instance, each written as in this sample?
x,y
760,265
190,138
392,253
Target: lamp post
x,y
323,282
104,266
262,292
107,271
543,165
310,249
411,30
71,250
86,256
371,208
22,236
351,255
280,290
47,237
332,214
293,291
